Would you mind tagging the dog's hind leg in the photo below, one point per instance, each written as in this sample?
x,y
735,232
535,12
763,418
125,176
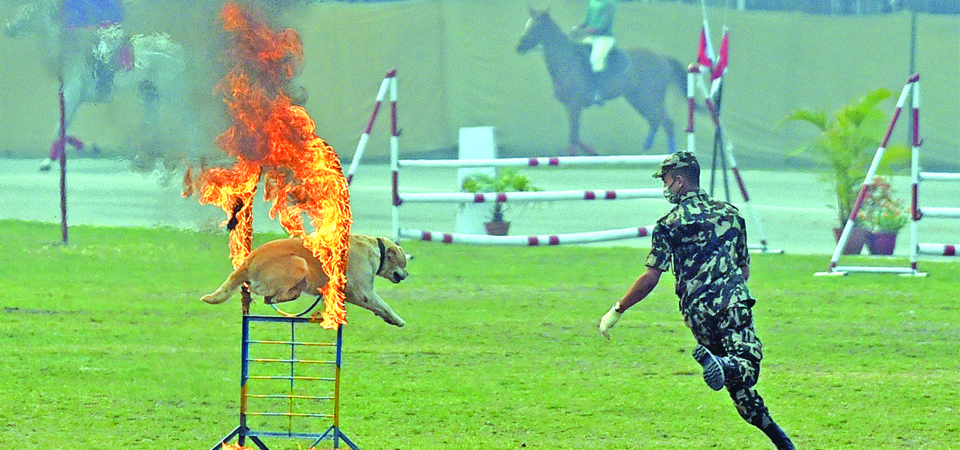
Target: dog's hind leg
x,y
226,290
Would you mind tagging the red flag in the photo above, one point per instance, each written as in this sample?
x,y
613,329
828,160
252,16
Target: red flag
x,y
703,58
722,59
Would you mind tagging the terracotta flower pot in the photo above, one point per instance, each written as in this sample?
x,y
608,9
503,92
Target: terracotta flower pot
x,y
882,242
858,237
497,228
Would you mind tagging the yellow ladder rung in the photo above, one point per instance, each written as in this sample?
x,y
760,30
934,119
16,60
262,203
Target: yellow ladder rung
x,y
264,377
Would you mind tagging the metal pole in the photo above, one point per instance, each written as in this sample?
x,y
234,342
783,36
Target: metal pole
x,y
336,390
64,234
244,373
63,127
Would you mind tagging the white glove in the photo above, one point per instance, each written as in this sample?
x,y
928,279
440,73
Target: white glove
x,y
609,320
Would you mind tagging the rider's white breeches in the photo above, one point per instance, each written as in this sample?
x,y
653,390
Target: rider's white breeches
x,y
600,46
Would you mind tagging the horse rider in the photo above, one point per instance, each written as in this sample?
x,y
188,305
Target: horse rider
x,y
597,31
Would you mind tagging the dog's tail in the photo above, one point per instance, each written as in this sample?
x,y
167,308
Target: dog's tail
x,y
227,289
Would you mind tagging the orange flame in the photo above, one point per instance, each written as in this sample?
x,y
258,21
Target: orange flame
x,y
274,139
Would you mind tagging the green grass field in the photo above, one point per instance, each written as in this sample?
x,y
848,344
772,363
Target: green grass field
x,y
104,344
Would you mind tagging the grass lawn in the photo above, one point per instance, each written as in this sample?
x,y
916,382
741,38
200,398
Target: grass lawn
x,y
104,344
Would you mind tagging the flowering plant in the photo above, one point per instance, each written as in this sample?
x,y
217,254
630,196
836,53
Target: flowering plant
x,y
880,210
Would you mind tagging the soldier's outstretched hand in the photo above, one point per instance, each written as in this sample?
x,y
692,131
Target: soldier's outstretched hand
x,y
609,320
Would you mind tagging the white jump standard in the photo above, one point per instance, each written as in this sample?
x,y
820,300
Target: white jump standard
x,y
911,89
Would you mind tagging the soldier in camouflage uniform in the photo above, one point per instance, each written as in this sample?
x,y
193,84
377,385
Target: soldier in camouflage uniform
x,y
704,242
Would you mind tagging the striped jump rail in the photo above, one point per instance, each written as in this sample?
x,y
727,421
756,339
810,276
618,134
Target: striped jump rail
x,y
695,81
556,239
531,196
569,161
400,198
938,249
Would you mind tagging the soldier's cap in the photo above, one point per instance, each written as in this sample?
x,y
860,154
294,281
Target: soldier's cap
x,y
676,161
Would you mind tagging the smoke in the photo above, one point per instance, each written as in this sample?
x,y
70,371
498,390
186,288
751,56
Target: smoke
x,y
144,88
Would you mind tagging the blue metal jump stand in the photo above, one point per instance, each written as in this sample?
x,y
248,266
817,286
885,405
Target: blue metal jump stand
x,y
243,431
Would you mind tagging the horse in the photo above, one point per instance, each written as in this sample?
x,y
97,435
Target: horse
x,y
94,62
637,74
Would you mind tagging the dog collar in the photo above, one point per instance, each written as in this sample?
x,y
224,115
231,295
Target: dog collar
x,y
383,254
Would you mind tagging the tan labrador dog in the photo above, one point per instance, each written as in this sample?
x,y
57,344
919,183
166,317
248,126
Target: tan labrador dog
x,y
283,269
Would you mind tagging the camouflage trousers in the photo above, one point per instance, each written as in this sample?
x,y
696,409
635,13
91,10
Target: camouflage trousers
x,y
731,334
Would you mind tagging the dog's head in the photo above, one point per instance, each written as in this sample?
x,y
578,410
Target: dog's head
x,y
394,267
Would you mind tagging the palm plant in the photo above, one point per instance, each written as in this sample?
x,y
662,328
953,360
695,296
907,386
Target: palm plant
x,y
846,144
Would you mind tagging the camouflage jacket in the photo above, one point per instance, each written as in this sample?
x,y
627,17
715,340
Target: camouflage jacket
x,y
704,242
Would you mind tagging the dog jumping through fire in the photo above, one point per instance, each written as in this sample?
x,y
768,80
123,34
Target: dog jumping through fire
x,y
281,270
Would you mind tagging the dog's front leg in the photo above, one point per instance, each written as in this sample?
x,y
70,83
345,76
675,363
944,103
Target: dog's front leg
x,y
375,304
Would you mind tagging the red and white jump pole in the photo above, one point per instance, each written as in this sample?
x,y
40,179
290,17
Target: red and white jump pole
x,y
534,162
912,85
389,81
531,196
554,239
938,249
694,80
934,212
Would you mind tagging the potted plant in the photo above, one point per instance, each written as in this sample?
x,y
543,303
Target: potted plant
x,y
845,144
885,215
503,181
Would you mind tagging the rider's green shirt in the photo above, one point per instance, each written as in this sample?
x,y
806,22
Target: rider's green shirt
x,y
600,17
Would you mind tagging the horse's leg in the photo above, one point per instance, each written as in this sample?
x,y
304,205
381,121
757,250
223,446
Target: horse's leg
x,y
573,122
656,116
651,135
573,114
667,125
668,128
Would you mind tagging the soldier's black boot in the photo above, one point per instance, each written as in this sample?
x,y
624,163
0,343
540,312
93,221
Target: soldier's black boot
x,y
715,367
779,438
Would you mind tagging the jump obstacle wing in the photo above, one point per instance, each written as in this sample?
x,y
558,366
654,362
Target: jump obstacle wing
x,y
835,269
910,89
717,65
389,82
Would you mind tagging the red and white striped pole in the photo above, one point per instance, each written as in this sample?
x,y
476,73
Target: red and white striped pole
x,y
394,157
848,226
938,249
694,80
554,239
693,71
915,214
388,81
